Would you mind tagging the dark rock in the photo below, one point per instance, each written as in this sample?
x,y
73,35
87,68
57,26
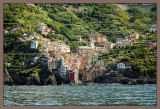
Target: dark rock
x,y
113,74
65,80
62,79
132,82
32,80
140,81
22,80
7,78
150,81
124,81
51,80
39,76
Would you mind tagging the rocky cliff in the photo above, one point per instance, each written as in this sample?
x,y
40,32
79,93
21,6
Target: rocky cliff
x,y
29,77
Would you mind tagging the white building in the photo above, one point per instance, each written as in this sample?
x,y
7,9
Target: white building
x,y
121,66
67,48
8,64
34,44
152,28
62,70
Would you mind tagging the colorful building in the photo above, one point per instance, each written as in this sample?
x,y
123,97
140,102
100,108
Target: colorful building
x,y
134,35
120,66
96,38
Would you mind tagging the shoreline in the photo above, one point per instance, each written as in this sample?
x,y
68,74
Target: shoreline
x,y
79,84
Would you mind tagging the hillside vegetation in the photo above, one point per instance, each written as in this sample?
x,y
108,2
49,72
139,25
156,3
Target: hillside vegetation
x,y
106,19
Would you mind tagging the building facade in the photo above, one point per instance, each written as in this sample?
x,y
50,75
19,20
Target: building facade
x,y
120,66
134,35
34,44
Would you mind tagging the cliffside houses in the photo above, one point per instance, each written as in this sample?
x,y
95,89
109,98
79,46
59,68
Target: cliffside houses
x,y
92,71
53,63
73,76
41,27
127,40
122,66
150,44
85,49
34,44
134,35
153,28
123,42
57,46
98,44
96,38
83,65
100,50
108,46
61,46
90,66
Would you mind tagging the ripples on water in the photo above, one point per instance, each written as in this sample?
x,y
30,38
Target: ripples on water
x,y
80,95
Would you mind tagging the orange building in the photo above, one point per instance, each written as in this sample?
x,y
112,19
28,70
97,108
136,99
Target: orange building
x,y
97,38
83,63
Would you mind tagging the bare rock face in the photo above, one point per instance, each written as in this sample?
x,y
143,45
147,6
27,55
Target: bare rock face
x,y
51,80
62,80
140,81
108,78
125,80
7,78
113,74
34,77
132,82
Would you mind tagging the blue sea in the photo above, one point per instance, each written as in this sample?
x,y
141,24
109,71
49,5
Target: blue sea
x,y
106,95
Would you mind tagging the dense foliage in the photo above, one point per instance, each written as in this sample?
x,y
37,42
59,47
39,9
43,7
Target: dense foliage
x,y
13,44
